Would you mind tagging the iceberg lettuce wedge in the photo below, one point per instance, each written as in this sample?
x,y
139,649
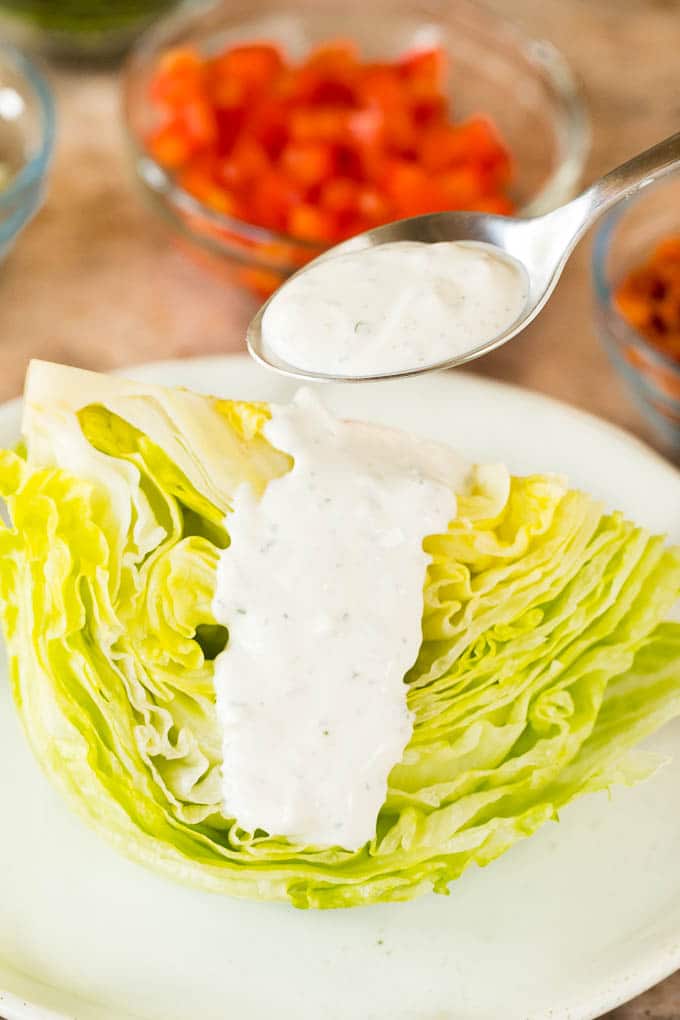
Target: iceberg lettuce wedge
x,y
545,655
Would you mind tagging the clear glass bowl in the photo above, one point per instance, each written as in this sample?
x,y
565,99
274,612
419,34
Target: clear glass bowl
x,y
26,142
523,84
624,239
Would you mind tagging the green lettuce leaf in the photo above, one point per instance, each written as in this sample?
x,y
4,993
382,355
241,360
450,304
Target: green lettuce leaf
x,y
545,655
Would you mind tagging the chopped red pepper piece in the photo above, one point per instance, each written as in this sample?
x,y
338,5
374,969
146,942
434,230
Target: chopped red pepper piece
x,y
247,162
425,69
310,223
170,145
308,163
254,65
179,75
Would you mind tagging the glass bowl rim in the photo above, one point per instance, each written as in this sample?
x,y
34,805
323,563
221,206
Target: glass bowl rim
x,y
539,53
35,168
602,245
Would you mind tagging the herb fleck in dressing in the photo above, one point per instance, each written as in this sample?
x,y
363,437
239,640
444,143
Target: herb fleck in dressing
x,y
322,591
394,308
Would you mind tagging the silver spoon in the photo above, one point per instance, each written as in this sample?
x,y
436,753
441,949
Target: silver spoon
x,y
541,244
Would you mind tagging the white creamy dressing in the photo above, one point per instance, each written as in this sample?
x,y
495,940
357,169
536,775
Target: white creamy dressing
x,y
322,591
394,308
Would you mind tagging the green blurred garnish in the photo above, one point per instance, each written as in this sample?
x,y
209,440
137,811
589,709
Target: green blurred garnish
x,y
85,16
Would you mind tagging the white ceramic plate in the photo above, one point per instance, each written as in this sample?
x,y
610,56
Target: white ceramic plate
x,y
584,915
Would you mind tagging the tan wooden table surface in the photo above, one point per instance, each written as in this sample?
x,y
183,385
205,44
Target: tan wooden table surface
x,y
94,283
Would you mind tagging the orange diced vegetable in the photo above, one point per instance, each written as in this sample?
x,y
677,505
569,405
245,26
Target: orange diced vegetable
x,y
247,162
255,65
308,163
179,75
410,188
221,201
382,86
268,124
474,141
201,180
311,223
170,146
199,121
262,282
340,195
425,68
271,198
364,130
481,139
328,75
461,187
227,93
649,297
373,206
667,251
338,57
319,124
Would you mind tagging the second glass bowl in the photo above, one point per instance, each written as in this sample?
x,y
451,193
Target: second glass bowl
x,y
625,239
524,85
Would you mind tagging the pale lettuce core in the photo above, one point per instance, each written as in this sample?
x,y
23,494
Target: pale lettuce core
x,y
545,655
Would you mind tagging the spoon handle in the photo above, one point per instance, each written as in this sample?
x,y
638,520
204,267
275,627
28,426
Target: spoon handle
x,y
634,174
623,181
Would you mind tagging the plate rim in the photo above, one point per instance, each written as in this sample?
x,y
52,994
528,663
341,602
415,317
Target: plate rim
x,y
538,398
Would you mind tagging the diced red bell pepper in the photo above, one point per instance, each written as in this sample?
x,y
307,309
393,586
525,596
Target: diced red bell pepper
x,y
308,163
201,180
382,86
474,141
425,69
255,65
460,187
199,122
337,57
310,223
270,199
179,75
268,123
170,146
227,93
373,206
246,162
320,124
409,187
340,195
262,282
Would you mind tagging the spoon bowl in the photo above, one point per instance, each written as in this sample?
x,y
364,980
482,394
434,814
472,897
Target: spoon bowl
x,y
541,245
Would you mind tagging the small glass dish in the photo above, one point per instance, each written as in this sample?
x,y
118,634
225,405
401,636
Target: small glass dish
x,y
626,238
26,142
523,84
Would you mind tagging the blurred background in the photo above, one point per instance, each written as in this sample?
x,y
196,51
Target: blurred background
x,y
160,174
103,277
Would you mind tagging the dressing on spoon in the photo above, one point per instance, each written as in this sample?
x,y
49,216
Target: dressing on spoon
x,y
394,308
538,247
